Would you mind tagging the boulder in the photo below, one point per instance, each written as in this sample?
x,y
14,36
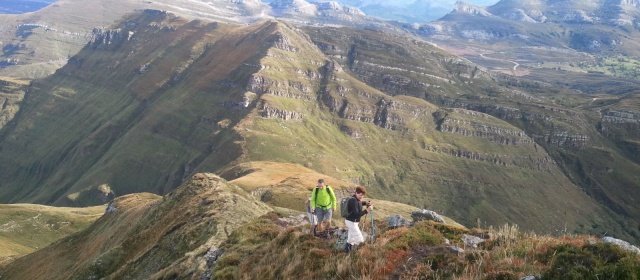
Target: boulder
x,y
296,220
397,221
211,257
341,238
456,249
428,215
622,244
471,241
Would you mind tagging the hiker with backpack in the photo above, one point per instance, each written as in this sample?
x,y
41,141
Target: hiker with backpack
x,y
352,217
323,202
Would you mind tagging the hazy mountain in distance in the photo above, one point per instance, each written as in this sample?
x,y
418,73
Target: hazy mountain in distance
x,y
410,11
597,27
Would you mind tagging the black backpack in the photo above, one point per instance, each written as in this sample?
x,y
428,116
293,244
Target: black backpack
x,y
344,206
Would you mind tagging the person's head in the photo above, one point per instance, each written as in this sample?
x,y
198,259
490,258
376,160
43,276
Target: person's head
x,y
360,192
320,183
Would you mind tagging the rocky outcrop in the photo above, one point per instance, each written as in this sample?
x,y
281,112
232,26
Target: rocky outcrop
x,y
385,118
499,135
270,112
503,112
535,163
281,41
241,102
565,139
352,132
93,195
383,114
622,244
426,215
144,68
103,38
620,121
397,221
617,117
472,128
261,84
356,113
211,258
471,241
111,208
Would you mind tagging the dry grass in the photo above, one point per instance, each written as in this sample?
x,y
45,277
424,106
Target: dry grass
x,y
263,248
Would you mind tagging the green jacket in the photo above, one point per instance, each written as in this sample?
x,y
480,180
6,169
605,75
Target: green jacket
x,y
323,198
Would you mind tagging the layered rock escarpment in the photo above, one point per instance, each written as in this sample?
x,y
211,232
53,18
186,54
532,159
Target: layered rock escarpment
x,y
621,119
471,128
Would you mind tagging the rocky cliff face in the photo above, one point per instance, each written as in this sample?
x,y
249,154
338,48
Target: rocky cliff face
x,y
471,128
620,119
105,38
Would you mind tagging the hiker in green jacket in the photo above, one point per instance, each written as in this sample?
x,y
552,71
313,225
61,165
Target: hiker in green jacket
x,y
323,202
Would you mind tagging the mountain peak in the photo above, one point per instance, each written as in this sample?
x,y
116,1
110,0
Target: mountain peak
x,y
467,8
282,7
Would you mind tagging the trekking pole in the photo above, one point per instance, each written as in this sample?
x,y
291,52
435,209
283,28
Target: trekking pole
x,y
364,221
373,228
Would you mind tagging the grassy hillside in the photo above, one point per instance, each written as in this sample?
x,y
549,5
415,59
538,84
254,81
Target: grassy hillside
x,y
25,228
145,236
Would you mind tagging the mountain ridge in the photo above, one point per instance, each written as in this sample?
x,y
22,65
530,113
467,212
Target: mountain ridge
x,y
215,95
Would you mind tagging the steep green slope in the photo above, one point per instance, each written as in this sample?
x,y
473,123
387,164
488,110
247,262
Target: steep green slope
x,y
11,94
129,112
